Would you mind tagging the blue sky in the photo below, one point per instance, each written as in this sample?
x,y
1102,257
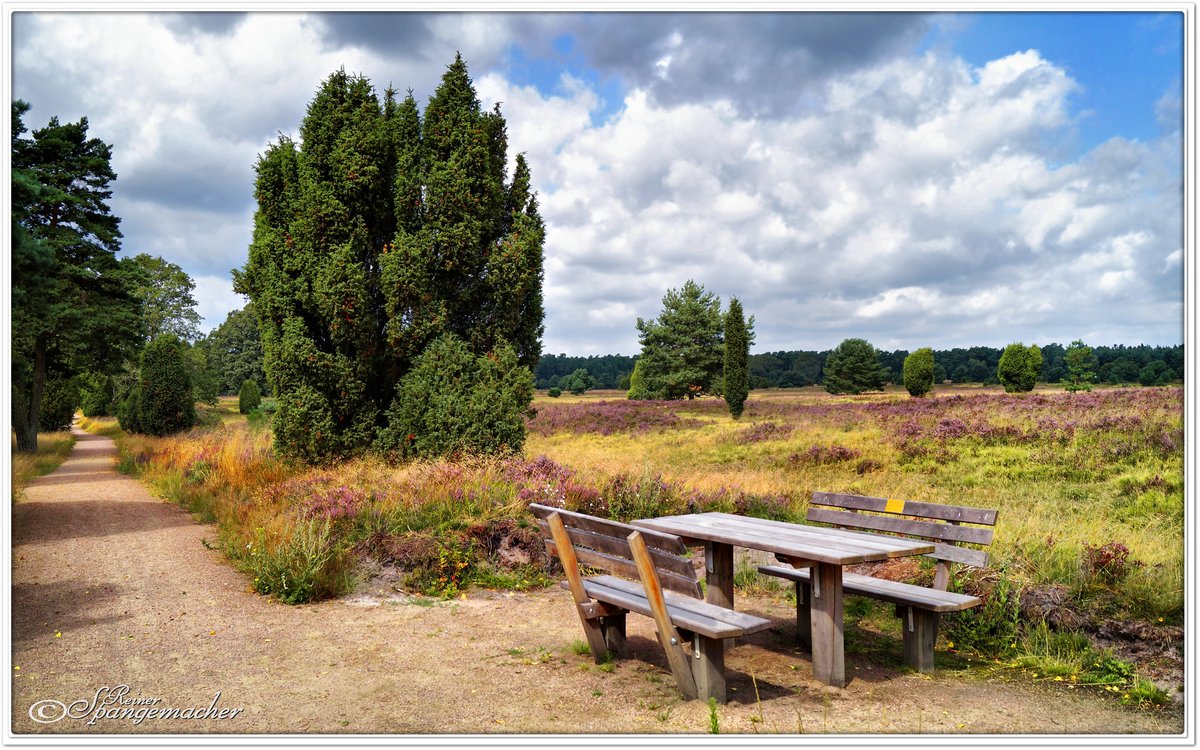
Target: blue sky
x,y
914,179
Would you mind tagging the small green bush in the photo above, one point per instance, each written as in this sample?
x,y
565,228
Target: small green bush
x,y
1019,368
918,372
993,628
163,402
554,392
249,397
305,566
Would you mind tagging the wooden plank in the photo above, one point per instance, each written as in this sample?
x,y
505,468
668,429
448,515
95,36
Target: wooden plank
x,y
898,525
828,643
684,619
681,667
895,592
684,585
566,553
742,623
619,547
919,637
939,511
714,530
820,536
654,539
965,555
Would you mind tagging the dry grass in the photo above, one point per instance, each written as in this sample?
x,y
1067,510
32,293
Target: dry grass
x,y
53,449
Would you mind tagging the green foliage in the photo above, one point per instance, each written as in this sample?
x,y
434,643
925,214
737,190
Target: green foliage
x,y
205,387
249,397
853,367
162,402
235,351
637,383
992,628
683,349
578,382
554,392
59,402
1019,367
381,233
96,395
918,372
1155,373
736,368
454,401
1081,366
306,564
72,307
167,302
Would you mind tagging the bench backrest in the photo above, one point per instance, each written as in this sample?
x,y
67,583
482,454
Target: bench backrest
x,y
941,524
604,544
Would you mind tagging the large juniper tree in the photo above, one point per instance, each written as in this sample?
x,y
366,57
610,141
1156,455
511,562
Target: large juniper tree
x,y
380,232
739,334
72,304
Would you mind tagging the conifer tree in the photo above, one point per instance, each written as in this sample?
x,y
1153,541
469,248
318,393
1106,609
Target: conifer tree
x,y
682,349
1019,367
382,232
738,335
853,367
918,372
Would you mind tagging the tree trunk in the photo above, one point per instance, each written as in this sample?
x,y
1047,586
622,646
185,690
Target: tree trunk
x,y
27,407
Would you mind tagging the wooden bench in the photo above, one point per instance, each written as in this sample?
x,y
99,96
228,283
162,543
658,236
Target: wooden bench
x,y
917,606
655,561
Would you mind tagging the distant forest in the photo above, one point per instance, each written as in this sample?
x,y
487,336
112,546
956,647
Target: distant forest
x,y
1149,365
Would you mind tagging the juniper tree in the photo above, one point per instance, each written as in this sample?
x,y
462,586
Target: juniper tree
x,y
918,372
1019,367
738,336
682,349
381,232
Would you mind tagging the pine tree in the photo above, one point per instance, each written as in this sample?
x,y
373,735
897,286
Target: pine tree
x,y
72,304
381,233
853,367
738,335
682,350
1081,366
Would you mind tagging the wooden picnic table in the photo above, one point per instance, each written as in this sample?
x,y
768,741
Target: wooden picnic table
x,y
825,550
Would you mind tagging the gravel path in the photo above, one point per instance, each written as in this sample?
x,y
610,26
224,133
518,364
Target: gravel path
x,y
113,587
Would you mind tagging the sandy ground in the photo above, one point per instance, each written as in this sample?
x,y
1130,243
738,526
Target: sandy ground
x,y
114,587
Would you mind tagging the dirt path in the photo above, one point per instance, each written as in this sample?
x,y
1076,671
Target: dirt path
x,y
112,586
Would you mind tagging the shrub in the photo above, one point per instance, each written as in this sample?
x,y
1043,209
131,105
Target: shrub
x,y
60,398
163,398
456,402
96,395
918,372
1019,367
249,397
554,392
579,382
637,383
993,627
853,367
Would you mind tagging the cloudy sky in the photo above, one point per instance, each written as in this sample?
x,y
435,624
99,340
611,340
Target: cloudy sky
x,y
940,180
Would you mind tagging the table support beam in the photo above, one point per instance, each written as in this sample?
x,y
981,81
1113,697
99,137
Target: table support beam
x,y
828,645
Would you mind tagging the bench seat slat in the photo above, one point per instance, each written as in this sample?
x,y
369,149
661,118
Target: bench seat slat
x,y
686,613
958,513
894,524
889,591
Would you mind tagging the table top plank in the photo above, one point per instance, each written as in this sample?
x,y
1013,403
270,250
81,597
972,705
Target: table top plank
x,y
792,540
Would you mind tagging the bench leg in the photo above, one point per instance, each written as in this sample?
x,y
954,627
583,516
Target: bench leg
x,y
804,614
920,628
613,627
828,644
709,669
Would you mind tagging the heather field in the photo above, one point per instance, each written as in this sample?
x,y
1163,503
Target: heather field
x,y
1089,487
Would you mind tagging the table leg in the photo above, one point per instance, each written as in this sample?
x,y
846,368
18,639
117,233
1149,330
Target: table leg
x,y
828,646
718,566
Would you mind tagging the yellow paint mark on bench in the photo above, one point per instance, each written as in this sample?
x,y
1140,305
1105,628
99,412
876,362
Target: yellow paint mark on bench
x,y
894,505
